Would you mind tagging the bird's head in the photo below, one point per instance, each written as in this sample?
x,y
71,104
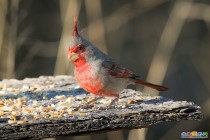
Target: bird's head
x,y
81,51
77,48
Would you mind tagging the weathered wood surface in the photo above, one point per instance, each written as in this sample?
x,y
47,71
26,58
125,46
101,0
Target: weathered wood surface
x,y
52,106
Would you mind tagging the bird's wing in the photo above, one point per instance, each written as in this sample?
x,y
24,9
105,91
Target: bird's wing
x,y
118,70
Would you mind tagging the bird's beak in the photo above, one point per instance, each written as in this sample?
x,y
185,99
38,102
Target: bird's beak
x,y
72,56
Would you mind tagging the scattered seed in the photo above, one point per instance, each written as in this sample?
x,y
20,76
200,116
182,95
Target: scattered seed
x,y
130,101
12,121
60,97
20,122
2,113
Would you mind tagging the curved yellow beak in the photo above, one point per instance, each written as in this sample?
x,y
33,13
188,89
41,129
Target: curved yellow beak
x,y
72,56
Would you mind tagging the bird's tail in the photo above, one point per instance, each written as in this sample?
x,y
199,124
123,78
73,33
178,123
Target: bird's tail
x,y
147,84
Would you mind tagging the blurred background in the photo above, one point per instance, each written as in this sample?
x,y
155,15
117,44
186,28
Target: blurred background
x,y
165,41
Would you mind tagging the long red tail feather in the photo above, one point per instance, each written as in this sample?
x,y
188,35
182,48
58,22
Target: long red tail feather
x,y
157,87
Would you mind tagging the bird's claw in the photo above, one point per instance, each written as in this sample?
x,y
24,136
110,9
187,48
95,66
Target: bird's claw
x,y
94,100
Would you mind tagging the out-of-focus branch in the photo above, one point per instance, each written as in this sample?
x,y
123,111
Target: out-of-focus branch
x,y
22,37
116,135
161,59
195,11
12,38
27,59
9,39
201,64
94,16
69,10
3,13
121,16
200,11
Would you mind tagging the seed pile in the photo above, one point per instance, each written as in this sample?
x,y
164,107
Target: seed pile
x,y
36,99
33,100
48,106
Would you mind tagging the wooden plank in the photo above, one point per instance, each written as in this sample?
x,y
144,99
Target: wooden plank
x,y
50,106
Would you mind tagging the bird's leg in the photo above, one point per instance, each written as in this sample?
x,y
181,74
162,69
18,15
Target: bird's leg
x,y
113,101
89,104
94,100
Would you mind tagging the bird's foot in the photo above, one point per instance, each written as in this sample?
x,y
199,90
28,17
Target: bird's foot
x,y
94,100
113,101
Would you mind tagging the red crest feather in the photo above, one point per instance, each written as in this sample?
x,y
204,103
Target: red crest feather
x,y
75,31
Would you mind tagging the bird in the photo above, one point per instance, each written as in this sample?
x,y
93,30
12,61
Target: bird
x,y
97,72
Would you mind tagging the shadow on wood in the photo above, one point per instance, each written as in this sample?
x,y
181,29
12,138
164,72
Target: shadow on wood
x,y
54,106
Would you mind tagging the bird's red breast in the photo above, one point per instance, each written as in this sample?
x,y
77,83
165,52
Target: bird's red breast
x,y
90,82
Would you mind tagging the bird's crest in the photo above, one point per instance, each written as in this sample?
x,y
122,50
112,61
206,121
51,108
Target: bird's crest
x,y
75,31
76,38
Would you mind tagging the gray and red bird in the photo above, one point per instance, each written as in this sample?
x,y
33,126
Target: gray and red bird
x,y
98,73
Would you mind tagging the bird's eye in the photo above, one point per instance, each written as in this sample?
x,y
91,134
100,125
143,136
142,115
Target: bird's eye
x,y
80,48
